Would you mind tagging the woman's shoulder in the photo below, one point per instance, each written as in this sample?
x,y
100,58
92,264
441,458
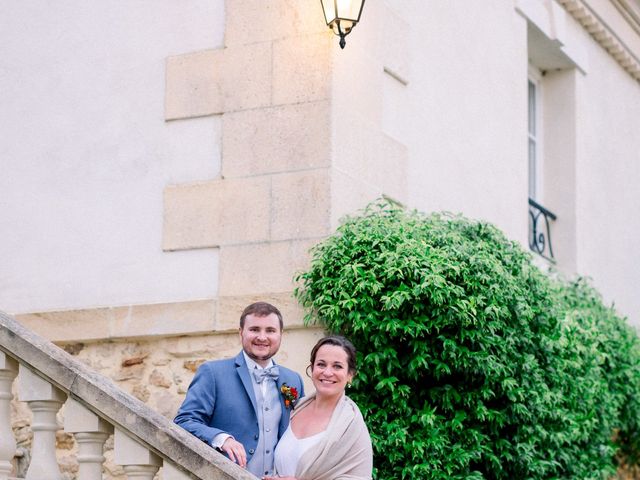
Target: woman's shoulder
x,y
347,411
352,405
356,415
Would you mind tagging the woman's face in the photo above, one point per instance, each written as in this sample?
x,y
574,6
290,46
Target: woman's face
x,y
330,370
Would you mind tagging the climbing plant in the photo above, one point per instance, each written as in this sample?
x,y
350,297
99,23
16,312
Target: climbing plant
x,y
473,363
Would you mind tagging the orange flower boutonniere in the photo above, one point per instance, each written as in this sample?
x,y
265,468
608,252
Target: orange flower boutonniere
x,y
290,395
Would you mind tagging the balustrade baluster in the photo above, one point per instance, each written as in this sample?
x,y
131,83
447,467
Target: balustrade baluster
x,y
137,460
90,432
8,371
171,472
44,400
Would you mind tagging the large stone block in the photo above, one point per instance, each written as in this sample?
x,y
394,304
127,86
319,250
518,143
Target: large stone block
x,y
126,321
277,139
396,48
164,319
349,195
391,50
302,68
70,325
218,81
365,95
248,21
265,267
371,156
390,170
295,349
199,348
230,308
193,84
301,205
220,212
246,76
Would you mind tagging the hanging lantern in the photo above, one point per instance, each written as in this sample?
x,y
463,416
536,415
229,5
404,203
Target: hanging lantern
x,y
342,16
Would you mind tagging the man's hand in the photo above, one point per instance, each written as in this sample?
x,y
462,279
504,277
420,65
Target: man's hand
x,y
235,450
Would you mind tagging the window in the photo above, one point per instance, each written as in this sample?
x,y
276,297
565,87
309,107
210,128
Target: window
x,y
556,64
535,135
539,217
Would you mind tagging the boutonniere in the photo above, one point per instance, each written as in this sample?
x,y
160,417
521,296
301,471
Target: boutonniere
x,y
290,395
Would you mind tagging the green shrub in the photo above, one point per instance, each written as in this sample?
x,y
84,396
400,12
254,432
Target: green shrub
x,y
472,362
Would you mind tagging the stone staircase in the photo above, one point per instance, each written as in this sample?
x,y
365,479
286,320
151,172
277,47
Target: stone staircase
x,y
146,444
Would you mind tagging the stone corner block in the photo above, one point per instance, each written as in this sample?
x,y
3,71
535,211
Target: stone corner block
x,y
302,68
301,204
230,308
262,268
372,157
349,195
143,320
194,84
70,325
248,21
216,213
217,81
164,319
396,48
276,139
247,76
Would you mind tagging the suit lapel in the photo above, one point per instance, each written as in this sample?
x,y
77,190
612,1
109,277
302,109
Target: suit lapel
x,y
243,373
284,417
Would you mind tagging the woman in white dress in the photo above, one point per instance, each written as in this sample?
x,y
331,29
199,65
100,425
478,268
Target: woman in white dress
x,y
327,438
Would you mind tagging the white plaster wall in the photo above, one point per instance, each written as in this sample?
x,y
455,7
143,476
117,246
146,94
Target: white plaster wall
x,y
85,152
608,175
467,111
460,115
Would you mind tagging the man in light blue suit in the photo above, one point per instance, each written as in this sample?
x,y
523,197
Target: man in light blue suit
x,y
238,405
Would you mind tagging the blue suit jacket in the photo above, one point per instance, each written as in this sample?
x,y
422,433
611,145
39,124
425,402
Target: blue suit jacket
x,y
221,399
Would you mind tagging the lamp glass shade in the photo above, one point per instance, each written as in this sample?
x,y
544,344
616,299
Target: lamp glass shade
x,y
346,12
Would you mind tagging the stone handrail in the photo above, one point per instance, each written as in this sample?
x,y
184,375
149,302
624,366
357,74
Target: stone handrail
x,y
49,369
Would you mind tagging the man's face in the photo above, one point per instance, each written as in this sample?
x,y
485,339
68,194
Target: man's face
x,y
261,337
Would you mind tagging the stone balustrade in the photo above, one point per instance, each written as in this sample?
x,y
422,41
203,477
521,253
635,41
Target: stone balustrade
x,y
94,408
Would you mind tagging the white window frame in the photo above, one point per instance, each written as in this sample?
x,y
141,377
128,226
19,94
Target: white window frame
x,y
535,136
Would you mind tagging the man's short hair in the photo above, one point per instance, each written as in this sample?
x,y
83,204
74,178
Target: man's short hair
x,y
260,309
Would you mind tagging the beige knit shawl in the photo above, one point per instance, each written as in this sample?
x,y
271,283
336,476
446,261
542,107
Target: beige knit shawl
x,y
345,452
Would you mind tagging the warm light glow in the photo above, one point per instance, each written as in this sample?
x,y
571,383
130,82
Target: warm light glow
x,y
348,9
344,25
329,11
342,15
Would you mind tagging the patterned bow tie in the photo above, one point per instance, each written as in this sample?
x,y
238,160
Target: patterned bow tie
x,y
271,372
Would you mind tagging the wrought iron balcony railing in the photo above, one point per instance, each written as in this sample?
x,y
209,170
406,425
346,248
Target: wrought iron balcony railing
x,y
540,230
